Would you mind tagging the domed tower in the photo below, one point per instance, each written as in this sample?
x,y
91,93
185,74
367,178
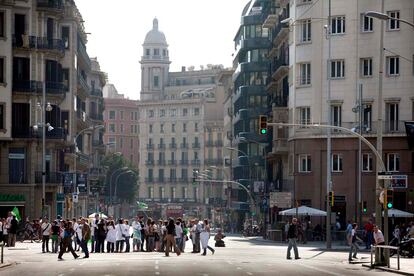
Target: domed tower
x,y
155,63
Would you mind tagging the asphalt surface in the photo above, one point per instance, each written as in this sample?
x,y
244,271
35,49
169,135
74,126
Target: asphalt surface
x,y
241,256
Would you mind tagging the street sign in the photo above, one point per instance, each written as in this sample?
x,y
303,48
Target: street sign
x,y
280,199
399,181
258,186
384,175
75,197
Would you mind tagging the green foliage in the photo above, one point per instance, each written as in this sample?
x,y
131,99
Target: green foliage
x,y
127,184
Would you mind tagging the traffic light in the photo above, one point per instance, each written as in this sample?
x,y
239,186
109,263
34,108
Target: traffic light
x,y
263,124
331,198
194,181
364,207
388,200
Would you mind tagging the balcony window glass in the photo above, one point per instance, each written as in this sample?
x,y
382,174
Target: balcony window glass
x,y
147,52
151,128
185,112
393,162
196,111
336,163
161,128
305,74
337,69
195,127
156,81
336,115
2,71
366,67
367,117
111,114
393,66
151,192
173,128
2,24
156,52
367,165
184,127
392,113
393,24
306,30
162,112
17,165
305,163
305,115
367,23
112,128
66,36
338,25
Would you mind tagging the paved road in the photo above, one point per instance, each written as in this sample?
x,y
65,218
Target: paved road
x,y
240,257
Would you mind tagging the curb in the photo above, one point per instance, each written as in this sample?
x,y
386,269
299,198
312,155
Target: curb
x,y
389,270
5,264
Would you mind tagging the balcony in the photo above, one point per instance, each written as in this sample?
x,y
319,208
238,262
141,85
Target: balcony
x,y
149,162
56,88
172,162
218,143
150,146
51,5
173,146
56,133
23,132
39,43
82,84
27,86
196,162
161,162
161,180
184,145
280,146
95,116
51,177
209,143
96,92
183,162
184,180
210,162
83,54
172,180
196,145
149,179
161,146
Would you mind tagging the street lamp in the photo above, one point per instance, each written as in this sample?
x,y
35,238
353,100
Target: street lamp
x,y
76,151
383,16
110,182
117,178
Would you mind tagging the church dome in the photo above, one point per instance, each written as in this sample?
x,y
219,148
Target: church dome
x,y
155,36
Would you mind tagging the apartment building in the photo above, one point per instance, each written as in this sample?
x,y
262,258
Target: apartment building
x,y
43,50
179,114
353,67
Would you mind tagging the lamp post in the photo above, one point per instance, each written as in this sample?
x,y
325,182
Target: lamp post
x,y
116,183
383,16
110,182
76,157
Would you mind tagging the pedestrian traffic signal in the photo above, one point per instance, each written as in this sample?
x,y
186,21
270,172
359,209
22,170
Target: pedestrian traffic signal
x,y
388,201
364,207
262,124
331,198
194,181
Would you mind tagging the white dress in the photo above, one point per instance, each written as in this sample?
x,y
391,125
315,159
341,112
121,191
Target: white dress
x,y
204,237
119,229
111,235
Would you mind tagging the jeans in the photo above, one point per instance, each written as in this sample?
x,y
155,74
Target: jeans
x,y
93,243
120,245
151,243
67,243
99,245
197,242
127,247
369,240
354,249
110,247
12,240
179,241
84,246
292,243
45,243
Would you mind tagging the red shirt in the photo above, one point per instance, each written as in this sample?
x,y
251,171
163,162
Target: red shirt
x,y
369,227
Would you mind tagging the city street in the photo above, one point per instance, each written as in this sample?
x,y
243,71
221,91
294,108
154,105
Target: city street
x,y
241,257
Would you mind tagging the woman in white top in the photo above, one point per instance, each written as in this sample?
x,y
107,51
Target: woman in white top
x,y
204,237
119,236
110,237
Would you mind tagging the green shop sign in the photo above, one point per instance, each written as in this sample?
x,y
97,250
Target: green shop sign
x,y
11,197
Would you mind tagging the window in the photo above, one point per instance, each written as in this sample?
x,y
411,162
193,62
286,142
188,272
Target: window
x,y
185,112
150,113
305,74
151,128
132,143
185,193
121,114
338,25
173,174
367,23
393,162
2,71
111,140
393,66
164,52
156,52
156,81
367,117
111,114
122,128
392,113
366,67
195,193
173,193
136,116
184,173
336,115
173,112
161,175
305,163
196,111
305,116
2,116
112,128
162,112
147,52
195,127
150,192
131,116
132,129
162,192
161,128
17,165
121,142
337,69
393,24
2,24
184,127
367,162
66,36
306,30
336,163
173,128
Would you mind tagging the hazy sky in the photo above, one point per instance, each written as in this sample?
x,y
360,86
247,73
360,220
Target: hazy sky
x,y
199,32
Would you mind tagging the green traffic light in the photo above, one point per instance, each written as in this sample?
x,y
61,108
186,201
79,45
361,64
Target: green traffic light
x,y
365,210
263,131
389,205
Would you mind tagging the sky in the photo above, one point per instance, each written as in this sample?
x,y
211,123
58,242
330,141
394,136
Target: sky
x,y
199,32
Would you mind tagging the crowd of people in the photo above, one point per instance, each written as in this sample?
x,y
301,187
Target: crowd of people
x,y
106,235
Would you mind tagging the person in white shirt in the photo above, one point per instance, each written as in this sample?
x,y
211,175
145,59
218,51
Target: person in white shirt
x,y
136,241
119,236
379,240
46,227
110,237
178,234
126,234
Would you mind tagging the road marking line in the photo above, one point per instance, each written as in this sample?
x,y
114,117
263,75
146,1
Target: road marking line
x,y
156,262
249,273
157,273
205,274
239,268
157,267
320,270
118,264
72,269
61,274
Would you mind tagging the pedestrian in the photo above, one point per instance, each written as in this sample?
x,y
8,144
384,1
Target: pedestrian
x,y
126,235
120,240
150,235
55,236
353,251
286,230
348,232
204,237
379,240
170,238
12,232
197,236
141,221
46,229
292,236
86,236
77,233
1,229
110,237
100,236
178,234
136,235
5,232
94,230
67,241
368,229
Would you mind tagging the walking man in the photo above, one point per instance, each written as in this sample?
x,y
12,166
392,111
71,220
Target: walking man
x,y
67,241
292,236
86,236
354,246
46,228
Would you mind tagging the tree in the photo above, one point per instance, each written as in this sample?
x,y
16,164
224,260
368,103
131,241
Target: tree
x,y
127,184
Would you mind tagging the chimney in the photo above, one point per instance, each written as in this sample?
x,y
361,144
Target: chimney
x,y
182,68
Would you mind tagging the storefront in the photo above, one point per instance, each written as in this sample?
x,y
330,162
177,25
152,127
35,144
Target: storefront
x,y
9,201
